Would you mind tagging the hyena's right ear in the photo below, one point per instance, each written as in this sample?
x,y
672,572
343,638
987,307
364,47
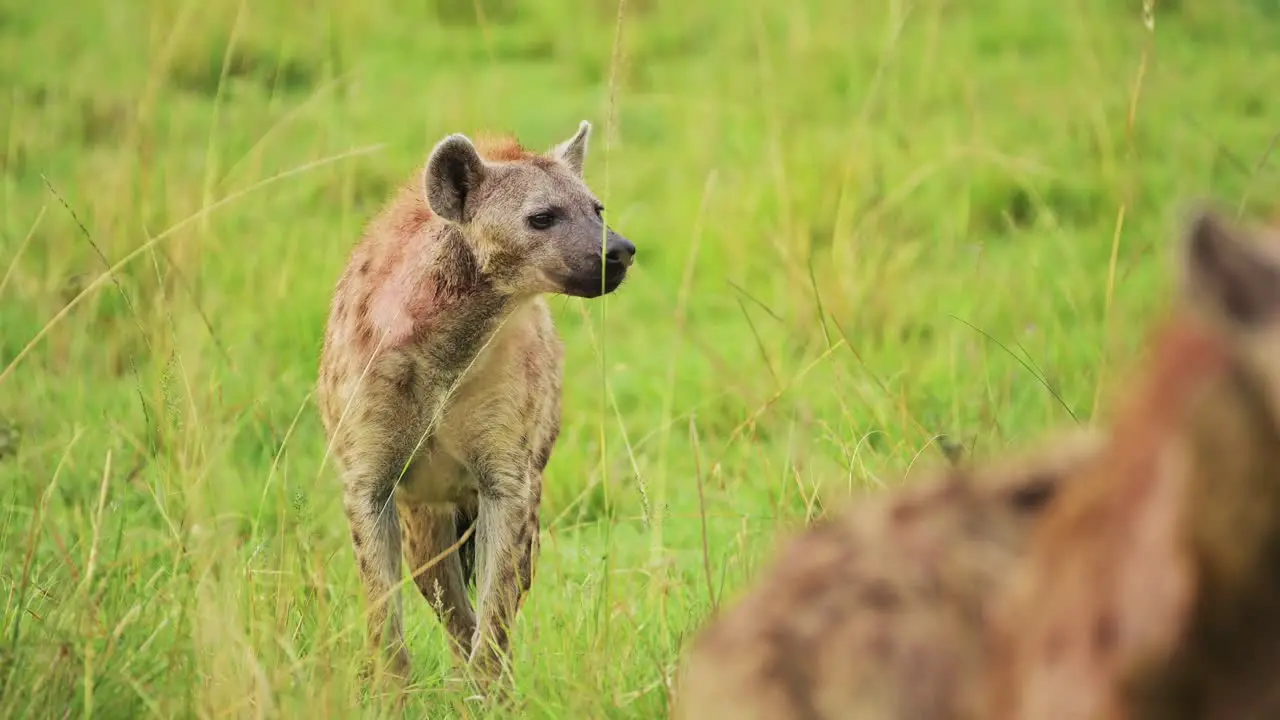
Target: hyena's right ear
x,y
1227,272
573,152
454,170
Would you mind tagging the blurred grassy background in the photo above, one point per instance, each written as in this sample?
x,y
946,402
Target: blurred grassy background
x,y
862,226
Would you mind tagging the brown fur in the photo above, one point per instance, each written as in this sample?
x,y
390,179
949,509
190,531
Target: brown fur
x,y
1149,589
878,612
1153,588
502,148
441,374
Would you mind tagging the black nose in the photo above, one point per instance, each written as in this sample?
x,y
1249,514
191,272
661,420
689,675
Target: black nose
x,y
619,250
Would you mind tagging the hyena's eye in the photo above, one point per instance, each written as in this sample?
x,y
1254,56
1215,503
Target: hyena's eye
x,y
600,211
542,220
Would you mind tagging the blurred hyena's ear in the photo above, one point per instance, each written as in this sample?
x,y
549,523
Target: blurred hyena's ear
x,y
1227,272
574,150
454,171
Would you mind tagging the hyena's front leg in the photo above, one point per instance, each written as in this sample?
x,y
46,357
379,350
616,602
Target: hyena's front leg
x,y
369,483
505,564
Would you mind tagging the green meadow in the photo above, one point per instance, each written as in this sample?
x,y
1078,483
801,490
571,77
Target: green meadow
x,y
872,233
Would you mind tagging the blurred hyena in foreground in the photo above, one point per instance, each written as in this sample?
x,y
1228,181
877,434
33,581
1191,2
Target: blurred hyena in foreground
x,y
1153,589
877,612
1147,586
441,374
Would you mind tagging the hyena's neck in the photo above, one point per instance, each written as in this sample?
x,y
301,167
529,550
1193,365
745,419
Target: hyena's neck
x,y
460,307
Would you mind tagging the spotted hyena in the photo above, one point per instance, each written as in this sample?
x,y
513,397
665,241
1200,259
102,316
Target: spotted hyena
x,y
878,612
1152,589
440,379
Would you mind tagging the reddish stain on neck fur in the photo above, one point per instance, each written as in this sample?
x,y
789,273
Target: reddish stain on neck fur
x,y
403,247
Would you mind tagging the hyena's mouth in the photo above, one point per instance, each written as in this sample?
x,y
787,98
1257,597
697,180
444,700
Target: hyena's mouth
x,y
597,283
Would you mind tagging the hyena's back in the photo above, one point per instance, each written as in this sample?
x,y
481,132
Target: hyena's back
x,y
879,612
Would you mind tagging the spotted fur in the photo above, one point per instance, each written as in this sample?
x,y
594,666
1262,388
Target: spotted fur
x,y
878,612
440,379
1139,580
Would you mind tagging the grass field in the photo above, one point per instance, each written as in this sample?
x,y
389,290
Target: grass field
x,y
868,230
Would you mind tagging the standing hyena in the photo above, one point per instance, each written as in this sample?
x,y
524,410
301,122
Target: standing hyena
x,y
441,373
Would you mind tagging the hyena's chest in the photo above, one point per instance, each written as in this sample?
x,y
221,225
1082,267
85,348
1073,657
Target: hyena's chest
x,y
509,393
505,409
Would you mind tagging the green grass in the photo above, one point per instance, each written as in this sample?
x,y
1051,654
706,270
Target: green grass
x,y
861,225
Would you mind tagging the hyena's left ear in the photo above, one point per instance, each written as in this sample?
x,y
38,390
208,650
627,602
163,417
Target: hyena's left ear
x,y
574,150
1227,271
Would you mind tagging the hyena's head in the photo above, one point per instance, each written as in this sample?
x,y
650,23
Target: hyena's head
x,y
530,219
1159,563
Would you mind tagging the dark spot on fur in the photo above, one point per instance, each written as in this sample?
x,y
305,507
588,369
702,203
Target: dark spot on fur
x,y
488,483
506,262
377,496
406,379
459,344
366,333
789,662
815,581
1104,634
543,163
356,539
364,267
1034,495
906,512
880,595
544,453
456,273
363,310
